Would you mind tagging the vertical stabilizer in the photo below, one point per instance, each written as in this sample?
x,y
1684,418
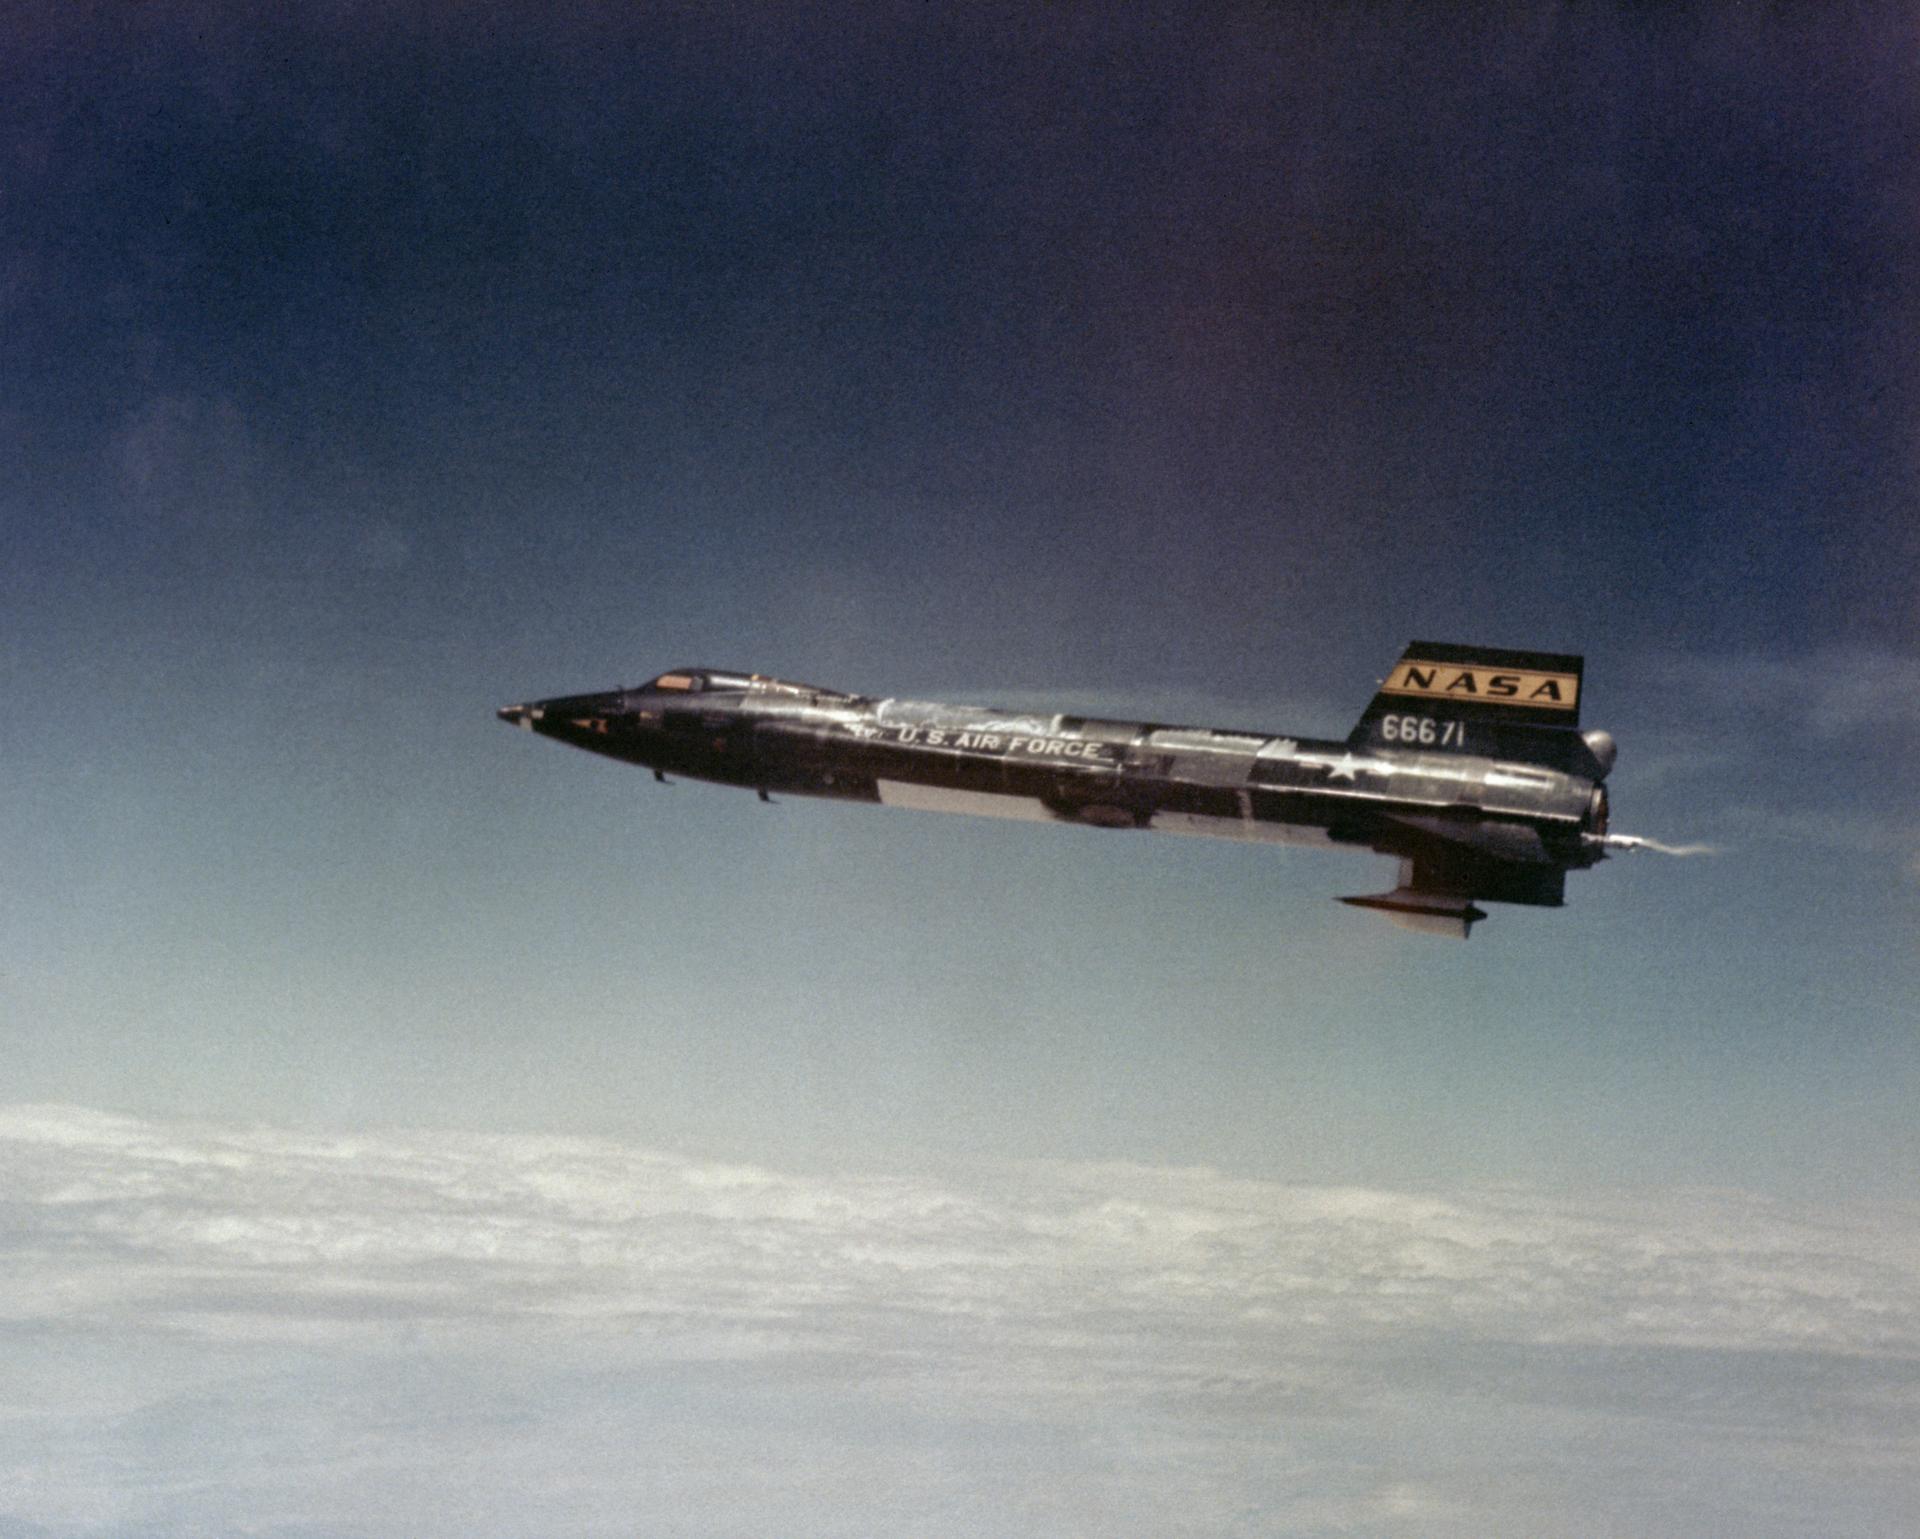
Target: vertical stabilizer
x,y
1445,698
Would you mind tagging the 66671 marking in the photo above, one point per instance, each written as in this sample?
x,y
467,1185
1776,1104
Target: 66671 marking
x,y
1426,731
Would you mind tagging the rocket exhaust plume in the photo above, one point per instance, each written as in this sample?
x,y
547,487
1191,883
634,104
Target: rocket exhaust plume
x,y
1632,842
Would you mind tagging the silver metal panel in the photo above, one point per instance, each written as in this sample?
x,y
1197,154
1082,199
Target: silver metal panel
x,y
968,718
1184,739
1205,758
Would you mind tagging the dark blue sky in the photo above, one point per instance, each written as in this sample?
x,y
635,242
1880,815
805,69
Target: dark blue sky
x,y
365,370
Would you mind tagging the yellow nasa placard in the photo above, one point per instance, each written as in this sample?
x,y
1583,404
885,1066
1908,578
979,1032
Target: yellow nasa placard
x,y
1484,686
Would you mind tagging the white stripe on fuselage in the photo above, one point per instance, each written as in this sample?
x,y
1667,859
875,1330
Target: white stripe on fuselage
x,y
1027,809
981,804
1253,830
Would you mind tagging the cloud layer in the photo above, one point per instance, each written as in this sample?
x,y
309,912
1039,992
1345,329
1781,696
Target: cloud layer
x,y
404,1333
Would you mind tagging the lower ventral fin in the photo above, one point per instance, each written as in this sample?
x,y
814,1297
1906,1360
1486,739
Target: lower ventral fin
x,y
1429,913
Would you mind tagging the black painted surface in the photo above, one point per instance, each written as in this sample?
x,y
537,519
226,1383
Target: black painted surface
x,y
1503,827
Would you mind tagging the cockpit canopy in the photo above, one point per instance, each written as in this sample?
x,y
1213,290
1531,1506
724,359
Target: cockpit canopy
x,y
685,680
715,680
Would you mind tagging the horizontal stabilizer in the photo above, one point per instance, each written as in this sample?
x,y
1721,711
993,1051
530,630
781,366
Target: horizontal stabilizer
x,y
1428,912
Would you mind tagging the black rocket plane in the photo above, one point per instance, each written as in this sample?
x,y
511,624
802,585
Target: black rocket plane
x,y
1469,767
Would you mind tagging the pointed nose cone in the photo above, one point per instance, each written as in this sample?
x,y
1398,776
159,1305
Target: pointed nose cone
x,y
517,715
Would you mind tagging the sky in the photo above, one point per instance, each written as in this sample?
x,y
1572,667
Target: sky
x,y
367,368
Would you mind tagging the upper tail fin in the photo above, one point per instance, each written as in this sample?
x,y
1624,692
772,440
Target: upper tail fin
x,y
1482,700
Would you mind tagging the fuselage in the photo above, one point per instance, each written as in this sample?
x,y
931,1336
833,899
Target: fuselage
x,y
1515,828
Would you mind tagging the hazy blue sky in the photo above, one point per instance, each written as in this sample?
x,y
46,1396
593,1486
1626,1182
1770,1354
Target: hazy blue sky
x,y
365,368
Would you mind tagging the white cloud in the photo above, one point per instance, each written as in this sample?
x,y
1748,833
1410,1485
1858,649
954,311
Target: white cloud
x,y
1829,693
459,1322
1840,829
1851,713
